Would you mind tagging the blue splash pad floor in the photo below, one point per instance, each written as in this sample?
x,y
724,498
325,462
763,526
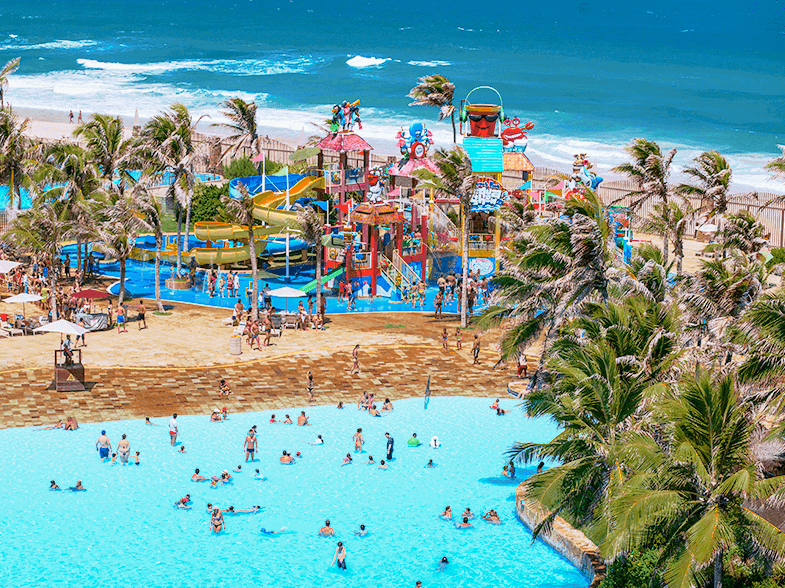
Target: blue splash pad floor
x,y
124,531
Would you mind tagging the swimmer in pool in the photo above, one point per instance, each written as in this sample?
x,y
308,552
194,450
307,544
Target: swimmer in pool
x,y
231,510
414,441
327,530
266,532
492,517
464,524
506,472
443,564
370,460
430,464
468,513
495,405
272,419
317,441
435,443
182,449
286,458
340,406
362,532
387,406
382,465
239,469
58,425
501,412
216,521
259,476
114,457
302,420
183,502
373,412
197,477
346,460
447,514
216,416
53,485
288,420
78,487
358,441
225,477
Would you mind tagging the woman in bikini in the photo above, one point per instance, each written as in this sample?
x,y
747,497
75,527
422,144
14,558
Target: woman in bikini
x,y
358,441
309,387
217,521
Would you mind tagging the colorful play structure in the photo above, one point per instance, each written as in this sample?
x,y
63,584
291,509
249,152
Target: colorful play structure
x,y
391,234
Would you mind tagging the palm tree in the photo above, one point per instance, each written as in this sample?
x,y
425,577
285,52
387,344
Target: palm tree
x,y
777,165
41,229
713,175
762,330
691,489
148,217
435,90
454,180
9,68
548,269
645,275
242,124
650,168
108,147
240,210
671,219
312,232
743,233
17,162
166,144
115,233
77,180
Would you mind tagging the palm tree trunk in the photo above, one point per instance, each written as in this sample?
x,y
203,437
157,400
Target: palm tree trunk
x,y
319,274
179,239
454,133
86,243
53,281
679,260
187,223
122,282
665,248
464,265
79,254
254,270
158,246
718,570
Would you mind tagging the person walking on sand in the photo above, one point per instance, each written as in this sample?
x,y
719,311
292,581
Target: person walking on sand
x,y
121,319
79,120
309,387
71,116
476,349
140,310
250,445
458,338
355,360
173,428
444,338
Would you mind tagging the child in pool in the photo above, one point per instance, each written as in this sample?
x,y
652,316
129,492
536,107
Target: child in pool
x,y
53,485
346,460
430,464
382,465
136,458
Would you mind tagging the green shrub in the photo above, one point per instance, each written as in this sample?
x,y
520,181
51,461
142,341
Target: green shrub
x,y
207,201
243,167
633,571
777,256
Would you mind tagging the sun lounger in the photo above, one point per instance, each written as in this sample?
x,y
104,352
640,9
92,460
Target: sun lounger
x,y
227,322
290,321
10,330
239,330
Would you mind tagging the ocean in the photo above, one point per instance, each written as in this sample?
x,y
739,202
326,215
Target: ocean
x,y
591,75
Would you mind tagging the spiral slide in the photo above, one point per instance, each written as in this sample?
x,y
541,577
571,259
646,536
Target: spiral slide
x,y
266,203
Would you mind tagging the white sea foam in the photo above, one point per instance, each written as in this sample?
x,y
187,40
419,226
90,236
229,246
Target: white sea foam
x,y
360,62
430,63
241,67
52,45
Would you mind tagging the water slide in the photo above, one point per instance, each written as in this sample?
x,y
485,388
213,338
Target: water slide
x,y
311,286
266,202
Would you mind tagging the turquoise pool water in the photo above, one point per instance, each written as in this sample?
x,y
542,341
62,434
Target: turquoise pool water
x,y
124,531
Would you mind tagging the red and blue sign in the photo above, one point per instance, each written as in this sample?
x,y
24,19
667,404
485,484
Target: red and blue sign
x,y
488,195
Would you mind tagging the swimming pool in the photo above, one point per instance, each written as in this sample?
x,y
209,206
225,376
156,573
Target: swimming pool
x,y
124,530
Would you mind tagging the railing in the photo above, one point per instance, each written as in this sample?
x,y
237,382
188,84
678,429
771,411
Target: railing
x,y
406,271
481,241
394,276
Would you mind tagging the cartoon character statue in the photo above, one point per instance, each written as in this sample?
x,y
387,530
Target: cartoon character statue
x,y
582,174
514,137
377,178
345,115
482,119
416,144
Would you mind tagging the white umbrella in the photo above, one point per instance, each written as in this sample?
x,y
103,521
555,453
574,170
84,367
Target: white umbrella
x,y
287,292
23,298
6,266
62,326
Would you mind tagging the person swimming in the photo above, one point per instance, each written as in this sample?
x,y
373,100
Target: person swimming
x,y
373,412
430,464
506,472
78,487
286,458
370,460
182,449
264,531
253,509
447,514
216,521
259,476
382,465
183,502
287,420
272,419
226,477
495,405
414,441
346,460
239,469
53,485
340,405
327,530
362,532
468,513
435,443
443,564
317,441
492,517
464,524
501,412
387,406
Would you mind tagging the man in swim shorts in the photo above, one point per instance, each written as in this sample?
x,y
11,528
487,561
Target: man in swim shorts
x,y
173,428
103,446
250,444
327,530
390,445
140,310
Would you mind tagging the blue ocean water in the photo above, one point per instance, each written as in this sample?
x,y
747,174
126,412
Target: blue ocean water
x,y
591,75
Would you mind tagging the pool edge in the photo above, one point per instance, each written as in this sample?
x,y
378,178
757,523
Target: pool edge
x,y
568,541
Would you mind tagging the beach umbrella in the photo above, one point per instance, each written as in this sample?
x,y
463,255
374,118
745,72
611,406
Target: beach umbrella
x,y
91,294
23,298
287,292
6,266
304,153
368,213
344,143
63,327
